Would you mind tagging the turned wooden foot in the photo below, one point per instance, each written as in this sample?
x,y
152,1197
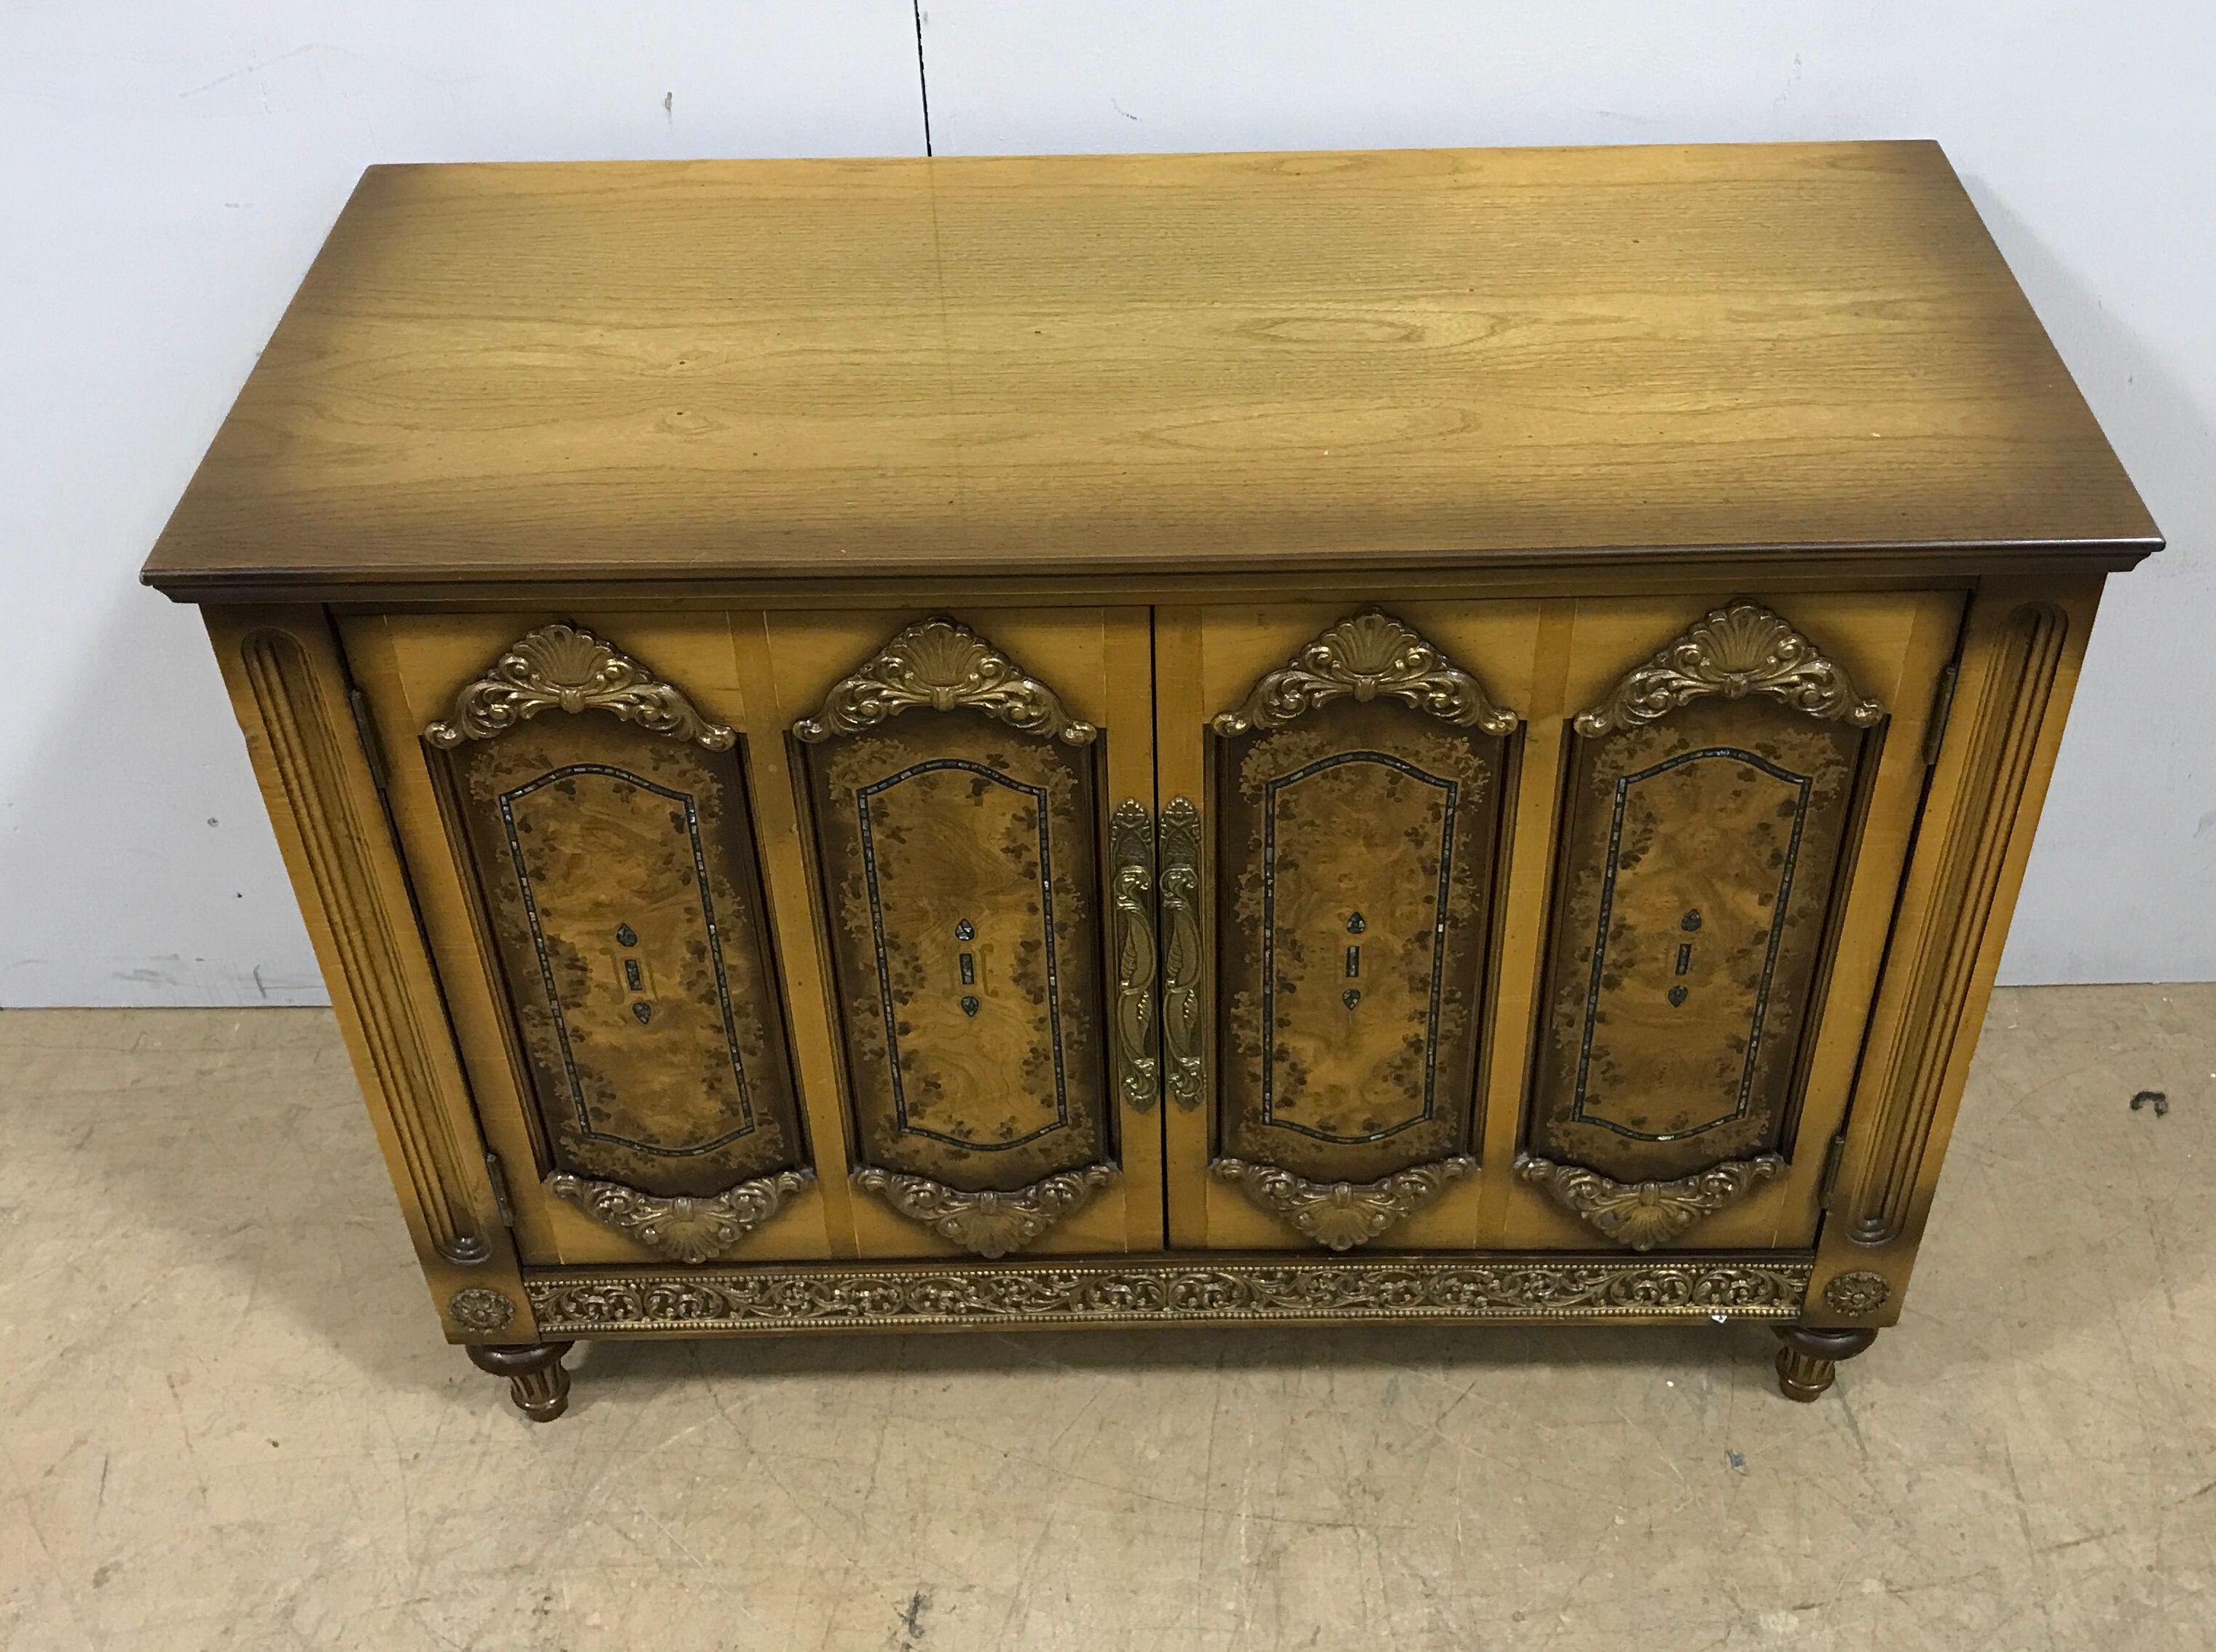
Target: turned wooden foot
x,y
1810,1359
536,1381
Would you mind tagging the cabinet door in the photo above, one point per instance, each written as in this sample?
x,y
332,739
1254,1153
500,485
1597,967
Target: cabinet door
x,y
1737,782
985,919
1335,784
575,798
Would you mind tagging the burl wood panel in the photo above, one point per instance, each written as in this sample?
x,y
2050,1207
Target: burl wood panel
x,y
1700,862
1356,861
961,882
617,869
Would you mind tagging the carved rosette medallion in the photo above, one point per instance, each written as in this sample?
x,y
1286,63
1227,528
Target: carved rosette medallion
x,y
991,1224
1643,1214
942,665
562,667
1343,1214
478,1309
1738,650
1857,1293
688,1229
1138,1291
1360,659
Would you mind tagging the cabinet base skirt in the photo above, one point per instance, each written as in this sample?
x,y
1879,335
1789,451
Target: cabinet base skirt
x,y
1166,1290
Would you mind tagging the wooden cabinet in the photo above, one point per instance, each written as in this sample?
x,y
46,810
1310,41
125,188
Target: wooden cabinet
x,y
975,889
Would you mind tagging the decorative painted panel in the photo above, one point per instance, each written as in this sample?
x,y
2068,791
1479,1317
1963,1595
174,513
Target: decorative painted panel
x,y
1710,802
1358,801
613,848
957,822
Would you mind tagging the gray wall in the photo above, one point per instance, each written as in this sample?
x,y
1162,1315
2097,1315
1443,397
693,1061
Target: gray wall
x,y
167,171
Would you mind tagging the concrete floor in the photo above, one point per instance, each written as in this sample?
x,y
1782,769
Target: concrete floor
x,y
230,1421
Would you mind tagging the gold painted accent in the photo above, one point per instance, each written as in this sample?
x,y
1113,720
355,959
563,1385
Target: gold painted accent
x,y
565,668
305,751
991,1224
1737,650
683,1229
1857,1293
1170,1290
1343,1214
1361,657
1131,858
1182,1049
1939,964
478,1309
1643,1214
944,666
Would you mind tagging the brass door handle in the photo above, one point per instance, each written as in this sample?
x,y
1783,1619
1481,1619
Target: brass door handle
x,y
1131,858
1182,1049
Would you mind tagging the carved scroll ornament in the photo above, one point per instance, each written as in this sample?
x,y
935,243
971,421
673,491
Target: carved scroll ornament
x,y
1735,651
1643,1214
1360,659
688,1229
941,665
990,1223
1343,1214
562,667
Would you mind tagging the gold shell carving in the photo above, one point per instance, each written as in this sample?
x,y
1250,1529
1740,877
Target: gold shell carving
x,y
1739,649
1360,659
1343,1214
940,665
562,666
1643,1214
689,1230
1181,952
990,1223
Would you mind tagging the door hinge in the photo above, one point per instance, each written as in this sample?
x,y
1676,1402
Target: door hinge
x,y
498,1173
1834,1156
1943,706
372,749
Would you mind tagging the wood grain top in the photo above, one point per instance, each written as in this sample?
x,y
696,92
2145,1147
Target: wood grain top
x,y
1200,364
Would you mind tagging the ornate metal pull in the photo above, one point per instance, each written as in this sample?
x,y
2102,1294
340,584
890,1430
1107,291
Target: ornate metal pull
x,y
1131,858
1180,904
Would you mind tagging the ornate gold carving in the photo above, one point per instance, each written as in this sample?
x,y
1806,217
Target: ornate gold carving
x,y
1181,953
938,664
563,667
990,1223
1936,961
1857,1293
1643,1214
682,1229
1737,650
1343,1214
478,1309
1361,657
1131,856
1526,1289
367,934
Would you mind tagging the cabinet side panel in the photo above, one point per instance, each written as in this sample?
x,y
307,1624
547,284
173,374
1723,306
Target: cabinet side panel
x,y
289,692
2020,666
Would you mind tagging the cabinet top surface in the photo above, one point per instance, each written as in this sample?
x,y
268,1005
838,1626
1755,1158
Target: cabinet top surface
x,y
1217,364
